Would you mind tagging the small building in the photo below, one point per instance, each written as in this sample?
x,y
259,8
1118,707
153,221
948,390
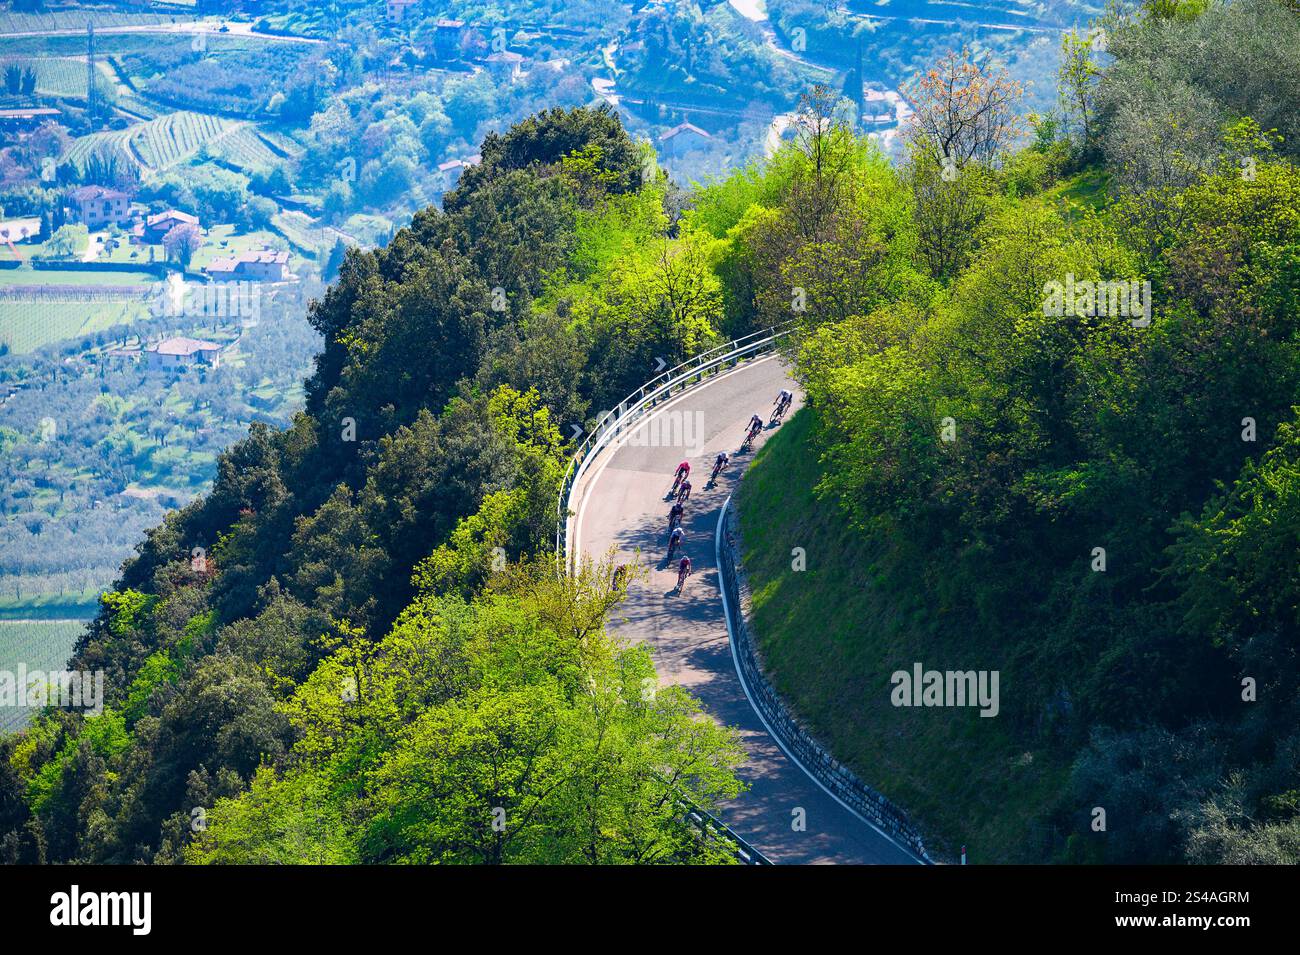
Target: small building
x,y
880,107
399,9
95,206
183,352
506,65
259,265
25,120
157,226
447,35
451,170
682,139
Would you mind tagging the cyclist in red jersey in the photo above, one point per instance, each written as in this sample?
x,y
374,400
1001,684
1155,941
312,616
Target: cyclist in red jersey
x,y
683,472
683,571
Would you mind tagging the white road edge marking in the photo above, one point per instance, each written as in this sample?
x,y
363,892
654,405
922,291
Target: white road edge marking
x,y
592,478
735,660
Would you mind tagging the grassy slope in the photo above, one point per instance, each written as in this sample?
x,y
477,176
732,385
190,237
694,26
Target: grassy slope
x,y
71,605
25,327
832,635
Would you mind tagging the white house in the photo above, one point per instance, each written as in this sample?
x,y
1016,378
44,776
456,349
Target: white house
x,y
182,352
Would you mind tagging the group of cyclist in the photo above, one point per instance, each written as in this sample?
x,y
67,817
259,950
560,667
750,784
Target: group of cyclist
x,y
681,489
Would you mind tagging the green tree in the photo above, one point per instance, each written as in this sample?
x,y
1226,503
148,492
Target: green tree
x,y
67,242
1076,86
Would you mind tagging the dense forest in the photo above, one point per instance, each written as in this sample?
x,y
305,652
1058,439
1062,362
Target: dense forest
x,y
1099,502
375,614
377,663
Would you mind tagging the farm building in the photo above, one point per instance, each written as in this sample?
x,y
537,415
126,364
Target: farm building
x,y
183,352
261,265
157,226
95,206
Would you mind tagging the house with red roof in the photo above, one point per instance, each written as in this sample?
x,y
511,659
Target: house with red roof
x,y
183,352
95,206
157,226
258,265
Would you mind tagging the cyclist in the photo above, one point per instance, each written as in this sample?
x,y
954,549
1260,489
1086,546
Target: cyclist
x,y
683,472
674,541
620,575
782,405
684,493
720,462
751,431
675,515
683,571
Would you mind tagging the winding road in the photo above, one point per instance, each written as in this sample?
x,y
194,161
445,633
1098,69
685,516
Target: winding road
x,y
620,502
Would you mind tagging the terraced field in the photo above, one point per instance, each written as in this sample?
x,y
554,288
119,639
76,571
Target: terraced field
x,y
84,146
244,148
156,145
166,141
303,233
284,144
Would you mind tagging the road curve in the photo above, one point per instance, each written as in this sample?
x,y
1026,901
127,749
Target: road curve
x,y
620,502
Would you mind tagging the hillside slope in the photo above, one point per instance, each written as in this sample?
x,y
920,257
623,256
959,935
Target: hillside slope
x,y
832,634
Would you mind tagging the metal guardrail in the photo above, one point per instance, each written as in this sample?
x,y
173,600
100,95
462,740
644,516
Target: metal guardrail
x,y
818,763
619,420
712,827
815,760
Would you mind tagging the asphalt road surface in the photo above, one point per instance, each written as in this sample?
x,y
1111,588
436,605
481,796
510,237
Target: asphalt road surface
x,y
621,502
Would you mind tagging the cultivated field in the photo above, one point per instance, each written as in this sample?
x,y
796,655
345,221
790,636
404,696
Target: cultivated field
x,y
156,145
11,22
244,148
26,326
56,76
38,644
